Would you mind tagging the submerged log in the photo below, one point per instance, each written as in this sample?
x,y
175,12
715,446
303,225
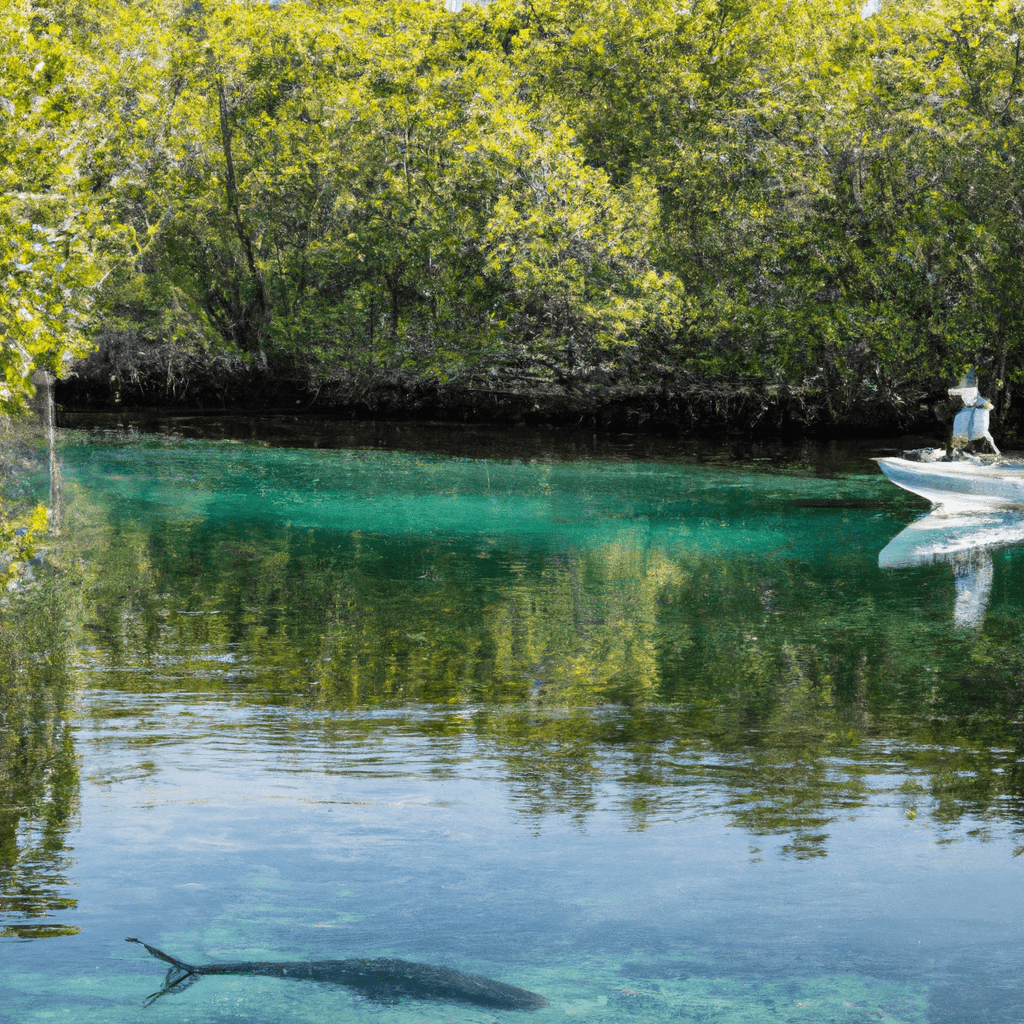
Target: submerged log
x,y
381,979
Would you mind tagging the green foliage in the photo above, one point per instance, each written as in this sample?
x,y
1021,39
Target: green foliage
x,y
576,255
50,231
548,191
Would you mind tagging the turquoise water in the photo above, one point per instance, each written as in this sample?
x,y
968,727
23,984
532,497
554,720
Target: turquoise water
x,y
652,734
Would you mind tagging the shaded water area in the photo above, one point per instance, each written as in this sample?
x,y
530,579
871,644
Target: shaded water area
x,y
641,726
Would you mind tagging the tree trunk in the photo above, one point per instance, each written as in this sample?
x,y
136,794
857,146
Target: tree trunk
x,y
253,331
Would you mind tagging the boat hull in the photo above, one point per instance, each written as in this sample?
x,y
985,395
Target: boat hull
x,y
958,483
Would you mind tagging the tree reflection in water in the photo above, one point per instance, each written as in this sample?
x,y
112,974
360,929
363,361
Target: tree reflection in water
x,y
39,784
610,630
608,637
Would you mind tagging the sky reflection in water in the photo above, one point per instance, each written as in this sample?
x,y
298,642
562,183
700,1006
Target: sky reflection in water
x,y
660,740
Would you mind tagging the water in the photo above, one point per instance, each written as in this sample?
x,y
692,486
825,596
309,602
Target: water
x,y
647,731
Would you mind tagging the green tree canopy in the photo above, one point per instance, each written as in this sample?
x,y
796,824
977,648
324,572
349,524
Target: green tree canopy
x,y
324,195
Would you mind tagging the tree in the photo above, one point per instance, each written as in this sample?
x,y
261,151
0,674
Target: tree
x,y
51,237
583,294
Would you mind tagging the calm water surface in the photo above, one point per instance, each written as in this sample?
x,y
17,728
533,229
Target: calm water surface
x,y
659,732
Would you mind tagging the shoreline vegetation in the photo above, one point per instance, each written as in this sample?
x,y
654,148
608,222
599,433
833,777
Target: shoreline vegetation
x,y
797,217
692,405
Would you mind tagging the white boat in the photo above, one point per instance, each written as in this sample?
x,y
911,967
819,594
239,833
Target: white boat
x,y
979,507
959,483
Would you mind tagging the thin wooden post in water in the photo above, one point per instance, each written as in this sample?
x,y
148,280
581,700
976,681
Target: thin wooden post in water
x,y
44,381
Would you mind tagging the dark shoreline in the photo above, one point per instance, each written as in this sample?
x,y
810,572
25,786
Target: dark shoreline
x,y
745,409
521,443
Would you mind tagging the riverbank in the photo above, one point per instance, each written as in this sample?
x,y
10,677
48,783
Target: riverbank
x,y
681,404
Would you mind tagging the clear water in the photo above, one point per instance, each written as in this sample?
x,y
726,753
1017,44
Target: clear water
x,y
652,735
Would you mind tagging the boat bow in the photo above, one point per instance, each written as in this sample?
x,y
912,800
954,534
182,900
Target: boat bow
x,y
958,483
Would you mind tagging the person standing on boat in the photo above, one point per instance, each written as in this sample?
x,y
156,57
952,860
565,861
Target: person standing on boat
x,y
971,423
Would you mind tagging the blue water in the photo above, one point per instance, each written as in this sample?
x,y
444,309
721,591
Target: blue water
x,y
656,739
